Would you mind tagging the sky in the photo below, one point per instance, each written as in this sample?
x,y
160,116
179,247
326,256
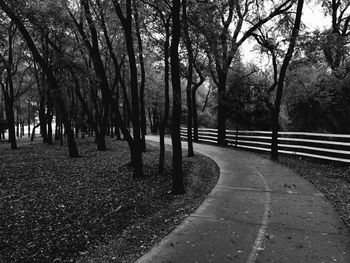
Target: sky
x,y
313,18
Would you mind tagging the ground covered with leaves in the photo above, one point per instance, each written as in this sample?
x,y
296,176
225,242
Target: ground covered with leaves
x,y
90,209
331,178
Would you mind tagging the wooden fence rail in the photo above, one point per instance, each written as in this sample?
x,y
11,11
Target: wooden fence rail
x,y
335,147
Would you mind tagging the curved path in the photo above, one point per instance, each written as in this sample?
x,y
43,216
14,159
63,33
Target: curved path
x,y
259,211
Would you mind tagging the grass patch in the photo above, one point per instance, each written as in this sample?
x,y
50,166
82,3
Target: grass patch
x,y
89,209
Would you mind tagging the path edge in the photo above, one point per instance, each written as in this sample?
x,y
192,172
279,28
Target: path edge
x,y
154,250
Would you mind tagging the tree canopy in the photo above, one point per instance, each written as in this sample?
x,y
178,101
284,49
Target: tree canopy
x,y
121,68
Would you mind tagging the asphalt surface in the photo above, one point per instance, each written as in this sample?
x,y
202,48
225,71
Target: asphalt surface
x,y
259,211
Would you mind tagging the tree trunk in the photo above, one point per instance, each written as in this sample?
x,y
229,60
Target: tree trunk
x,y
22,128
76,129
125,116
100,72
143,81
161,148
164,120
279,92
33,131
8,93
49,130
17,124
177,173
28,120
194,105
61,132
137,146
195,115
111,124
100,140
72,148
10,118
136,150
117,68
42,118
221,108
189,80
150,119
274,139
49,117
116,123
117,131
57,128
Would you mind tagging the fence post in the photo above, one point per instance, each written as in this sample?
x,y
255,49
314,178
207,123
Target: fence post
x,y
236,141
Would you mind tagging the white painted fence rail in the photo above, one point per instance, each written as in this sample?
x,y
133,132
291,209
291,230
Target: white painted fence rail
x,y
335,147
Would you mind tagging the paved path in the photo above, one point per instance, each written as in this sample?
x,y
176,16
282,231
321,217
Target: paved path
x,y
259,211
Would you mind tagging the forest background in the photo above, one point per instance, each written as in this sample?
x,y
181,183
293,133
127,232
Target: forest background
x,y
122,68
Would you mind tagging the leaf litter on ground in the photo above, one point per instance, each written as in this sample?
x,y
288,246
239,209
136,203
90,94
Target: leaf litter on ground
x,y
90,209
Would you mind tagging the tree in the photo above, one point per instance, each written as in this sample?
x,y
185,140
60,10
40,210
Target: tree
x,y
143,77
199,68
91,41
95,15
127,24
7,85
16,19
334,40
248,99
316,100
164,15
177,182
281,78
222,24
190,60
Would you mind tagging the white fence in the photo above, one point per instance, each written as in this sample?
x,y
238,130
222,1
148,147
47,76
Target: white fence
x,y
335,147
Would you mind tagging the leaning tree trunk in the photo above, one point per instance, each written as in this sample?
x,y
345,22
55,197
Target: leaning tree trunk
x,y
279,92
33,132
136,150
94,49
